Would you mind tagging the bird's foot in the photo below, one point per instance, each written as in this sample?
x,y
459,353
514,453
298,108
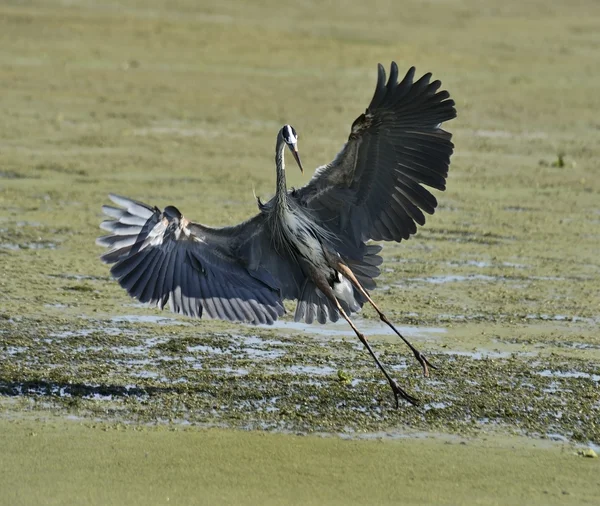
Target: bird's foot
x,y
425,364
400,393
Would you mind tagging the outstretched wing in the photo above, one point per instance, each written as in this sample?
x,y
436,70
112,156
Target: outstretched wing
x,y
373,189
162,258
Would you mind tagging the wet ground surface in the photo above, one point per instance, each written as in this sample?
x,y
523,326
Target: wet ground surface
x,y
292,377
500,288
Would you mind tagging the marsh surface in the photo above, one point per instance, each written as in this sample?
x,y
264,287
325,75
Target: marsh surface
x,y
179,103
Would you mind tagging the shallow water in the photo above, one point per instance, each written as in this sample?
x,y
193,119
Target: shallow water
x,y
569,374
368,327
164,320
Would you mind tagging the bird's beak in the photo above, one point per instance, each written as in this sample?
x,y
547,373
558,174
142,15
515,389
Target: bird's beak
x,y
294,150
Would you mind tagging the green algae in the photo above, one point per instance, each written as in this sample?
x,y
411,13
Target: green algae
x,y
179,104
292,381
52,461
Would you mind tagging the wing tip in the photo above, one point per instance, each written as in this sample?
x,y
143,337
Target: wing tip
x,y
103,241
117,199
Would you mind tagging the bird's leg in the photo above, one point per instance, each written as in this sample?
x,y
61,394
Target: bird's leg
x,y
347,272
398,392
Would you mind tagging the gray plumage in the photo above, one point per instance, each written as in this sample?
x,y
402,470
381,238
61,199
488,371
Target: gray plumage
x,y
374,189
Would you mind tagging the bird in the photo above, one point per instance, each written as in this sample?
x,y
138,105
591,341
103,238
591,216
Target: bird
x,y
314,244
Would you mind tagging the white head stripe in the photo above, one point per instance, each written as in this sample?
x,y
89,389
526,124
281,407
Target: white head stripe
x,y
288,134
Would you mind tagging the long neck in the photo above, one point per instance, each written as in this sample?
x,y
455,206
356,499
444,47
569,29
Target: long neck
x,y
281,190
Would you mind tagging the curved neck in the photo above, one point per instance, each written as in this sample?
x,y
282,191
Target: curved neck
x,y
281,189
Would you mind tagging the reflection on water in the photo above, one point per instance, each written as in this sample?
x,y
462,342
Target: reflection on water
x,y
367,327
569,374
454,278
460,278
312,370
161,320
487,354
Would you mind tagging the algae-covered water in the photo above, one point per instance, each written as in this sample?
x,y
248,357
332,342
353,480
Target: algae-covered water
x,y
179,103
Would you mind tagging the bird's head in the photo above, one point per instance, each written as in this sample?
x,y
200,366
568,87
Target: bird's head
x,y
290,137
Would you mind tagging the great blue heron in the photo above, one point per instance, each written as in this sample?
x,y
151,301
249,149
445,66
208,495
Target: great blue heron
x,y
308,243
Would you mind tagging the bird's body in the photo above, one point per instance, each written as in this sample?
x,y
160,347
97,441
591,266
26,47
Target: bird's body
x,y
314,255
304,240
308,244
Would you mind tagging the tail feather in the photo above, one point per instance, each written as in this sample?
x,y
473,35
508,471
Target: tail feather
x,y
366,269
314,305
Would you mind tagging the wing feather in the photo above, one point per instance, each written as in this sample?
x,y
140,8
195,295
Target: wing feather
x,y
373,188
175,295
209,301
231,273
155,280
144,272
